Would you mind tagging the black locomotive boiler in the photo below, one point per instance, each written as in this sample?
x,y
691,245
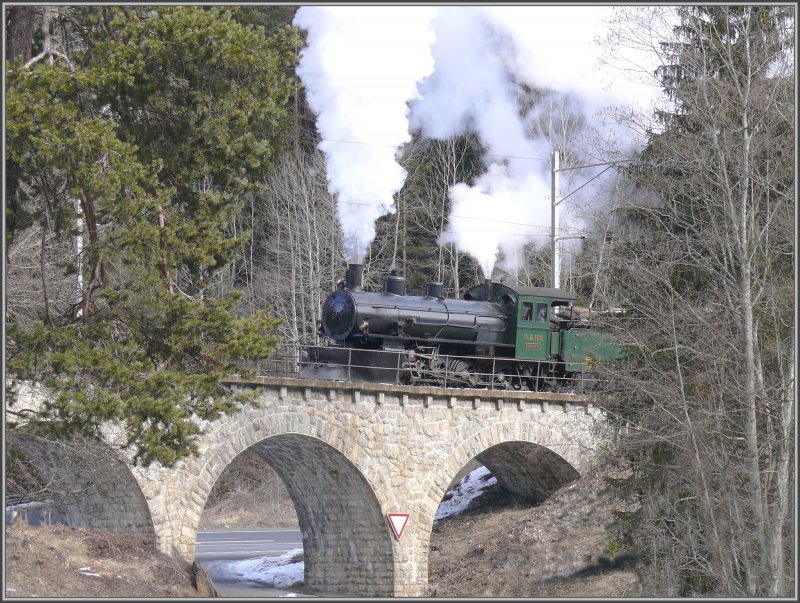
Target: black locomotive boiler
x,y
498,336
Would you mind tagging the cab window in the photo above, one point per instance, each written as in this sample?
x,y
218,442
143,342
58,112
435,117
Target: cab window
x,y
541,312
527,311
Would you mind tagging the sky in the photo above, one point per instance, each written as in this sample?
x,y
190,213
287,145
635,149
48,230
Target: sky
x,y
375,74
567,56
281,571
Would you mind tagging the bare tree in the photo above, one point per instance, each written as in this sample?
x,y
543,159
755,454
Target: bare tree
x,y
702,256
298,249
20,21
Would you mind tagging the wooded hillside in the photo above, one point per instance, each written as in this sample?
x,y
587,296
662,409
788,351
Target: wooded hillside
x,y
169,220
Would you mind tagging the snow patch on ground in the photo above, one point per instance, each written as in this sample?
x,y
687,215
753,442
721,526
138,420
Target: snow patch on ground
x,y
277,572
458,499
280,571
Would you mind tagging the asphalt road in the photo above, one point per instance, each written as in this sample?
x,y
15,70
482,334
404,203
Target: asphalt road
x,y
216,548
232,545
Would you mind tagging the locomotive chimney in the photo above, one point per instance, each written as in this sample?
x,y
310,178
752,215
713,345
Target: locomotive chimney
x,y
354,274
488,286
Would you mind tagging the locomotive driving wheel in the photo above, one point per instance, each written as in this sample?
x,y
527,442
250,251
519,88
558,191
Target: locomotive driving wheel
x,y
501,380
505,377
464,372
437,367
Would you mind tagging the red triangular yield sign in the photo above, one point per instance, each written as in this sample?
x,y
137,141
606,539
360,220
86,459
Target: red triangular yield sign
x,y
398,522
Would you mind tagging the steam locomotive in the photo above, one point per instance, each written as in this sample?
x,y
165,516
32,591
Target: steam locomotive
x,y
498,336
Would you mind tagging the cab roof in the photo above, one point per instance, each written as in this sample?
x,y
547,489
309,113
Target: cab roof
x,y
478,292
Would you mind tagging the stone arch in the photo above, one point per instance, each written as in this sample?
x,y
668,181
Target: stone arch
x,y
92,484
347,546
507,448
527,470
510,450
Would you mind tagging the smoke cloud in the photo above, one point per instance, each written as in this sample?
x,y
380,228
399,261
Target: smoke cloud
x,y
360,69
473,87
374,73
486,217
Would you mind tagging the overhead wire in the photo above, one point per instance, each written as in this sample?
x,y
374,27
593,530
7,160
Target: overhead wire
x,y
467,151
565,229
547,227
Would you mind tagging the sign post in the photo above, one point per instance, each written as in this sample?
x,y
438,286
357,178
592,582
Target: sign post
x,y
398,522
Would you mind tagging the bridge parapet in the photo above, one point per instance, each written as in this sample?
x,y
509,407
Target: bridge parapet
x,y
384,393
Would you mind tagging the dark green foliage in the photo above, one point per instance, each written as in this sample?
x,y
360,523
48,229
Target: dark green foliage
x,y
270,17
423,210
154,134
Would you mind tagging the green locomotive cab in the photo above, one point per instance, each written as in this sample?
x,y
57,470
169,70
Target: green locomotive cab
x,y
538,336
553,340
535,324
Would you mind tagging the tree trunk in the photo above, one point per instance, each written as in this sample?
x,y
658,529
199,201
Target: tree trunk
x,y
19,30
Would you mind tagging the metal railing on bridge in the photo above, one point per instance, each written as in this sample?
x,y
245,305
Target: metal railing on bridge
x,y
452,371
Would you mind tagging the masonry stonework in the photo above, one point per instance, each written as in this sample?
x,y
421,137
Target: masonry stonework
x,y
90,485
351,453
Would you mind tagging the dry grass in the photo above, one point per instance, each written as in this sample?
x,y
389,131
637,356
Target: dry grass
x,y
249,510
556,549
249,494
57,561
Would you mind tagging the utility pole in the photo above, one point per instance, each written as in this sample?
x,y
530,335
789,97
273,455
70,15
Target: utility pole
x,y
555,259
555,256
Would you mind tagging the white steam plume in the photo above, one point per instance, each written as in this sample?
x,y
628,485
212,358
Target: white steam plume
x,y
360,68
485,217
482,56
473,88
363,65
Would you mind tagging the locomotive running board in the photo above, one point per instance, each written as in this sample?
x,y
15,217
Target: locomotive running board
x,y
351,364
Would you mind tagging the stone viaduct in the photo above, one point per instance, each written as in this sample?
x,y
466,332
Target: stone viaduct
x,y
349,455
